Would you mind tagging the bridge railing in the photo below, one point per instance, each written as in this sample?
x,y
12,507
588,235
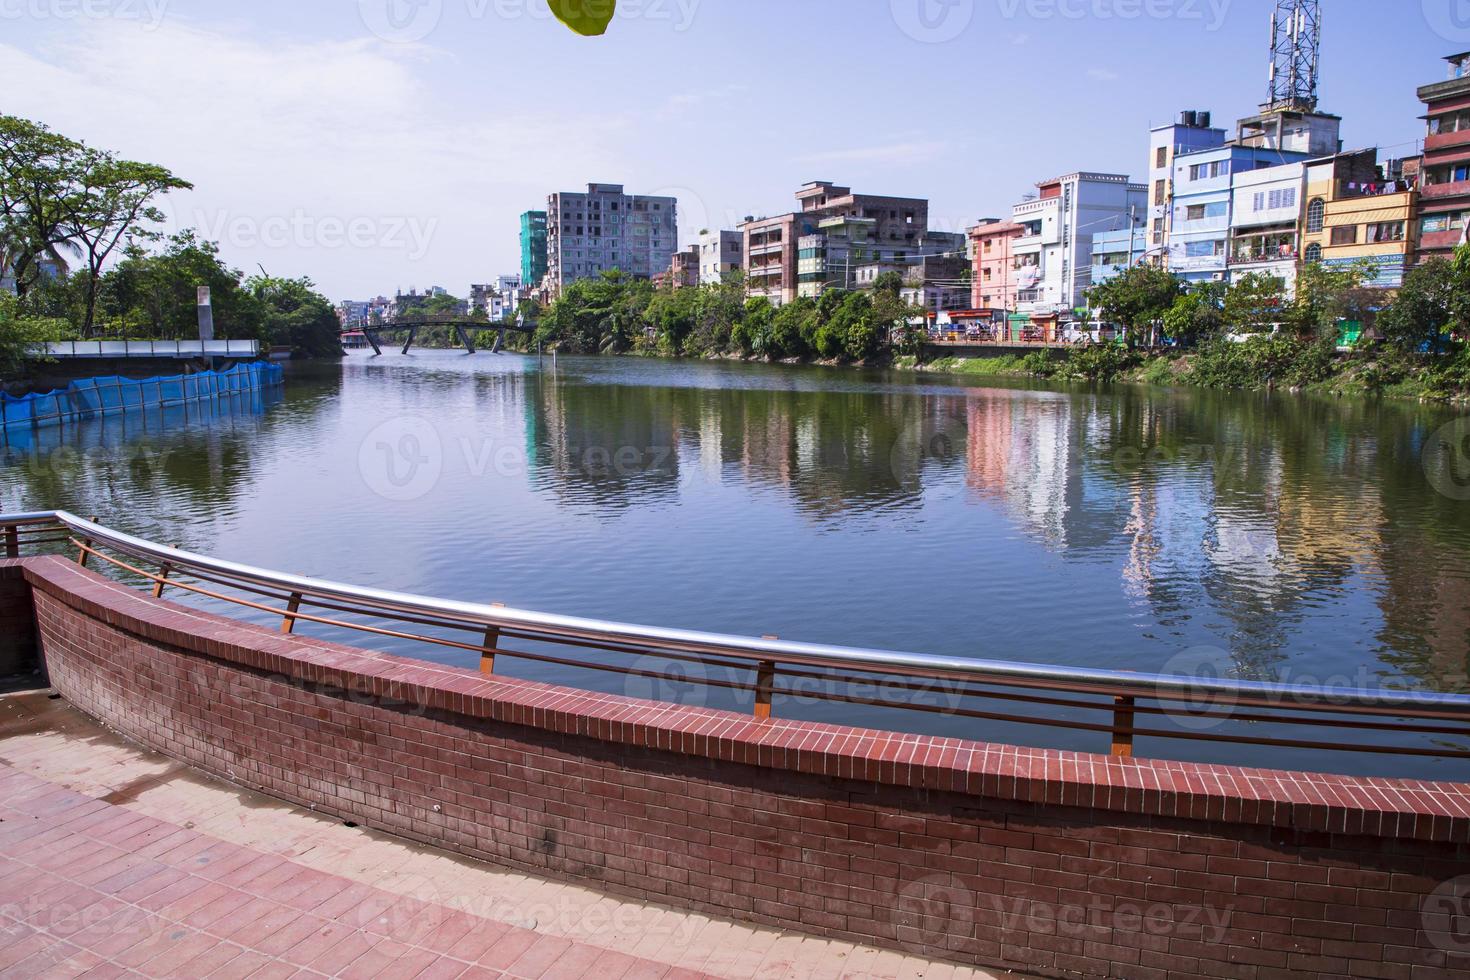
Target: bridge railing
x,y
1114,707
150,348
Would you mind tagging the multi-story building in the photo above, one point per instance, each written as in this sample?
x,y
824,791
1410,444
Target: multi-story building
x,y
1115,251
1052,267
506,299
606,229
770,247
831,221
720,254
1265,208
533,248
684,269
1190,134
1444,195
939,282
994,285
479,298
1359,213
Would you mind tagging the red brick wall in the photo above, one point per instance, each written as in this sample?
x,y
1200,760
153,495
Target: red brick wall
x,y
1054,863
17,625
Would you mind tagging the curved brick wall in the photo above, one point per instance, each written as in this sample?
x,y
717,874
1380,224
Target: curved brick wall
x,y
1048,862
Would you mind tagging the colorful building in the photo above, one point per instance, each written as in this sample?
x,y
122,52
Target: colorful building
x,y
1358,213
993,286
1191,134
533,248
1444,197
1265,223
1113,252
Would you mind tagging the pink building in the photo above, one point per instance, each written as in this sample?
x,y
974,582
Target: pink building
x,y
994,286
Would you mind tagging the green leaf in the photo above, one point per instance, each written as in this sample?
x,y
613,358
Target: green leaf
x,y
586,17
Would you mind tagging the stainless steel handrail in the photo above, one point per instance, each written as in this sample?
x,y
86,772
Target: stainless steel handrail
x,y
1167,687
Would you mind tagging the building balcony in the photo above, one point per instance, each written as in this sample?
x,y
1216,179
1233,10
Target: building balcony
x,y
768,248
1439,192
1447,141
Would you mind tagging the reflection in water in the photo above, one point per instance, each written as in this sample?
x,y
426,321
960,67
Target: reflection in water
x,y
1297,537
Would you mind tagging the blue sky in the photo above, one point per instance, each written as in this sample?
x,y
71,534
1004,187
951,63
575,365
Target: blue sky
x,y
385,144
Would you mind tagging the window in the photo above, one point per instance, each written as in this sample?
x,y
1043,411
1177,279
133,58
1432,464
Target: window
x,y
1450,122
1386,231
1161,158
1161,191
1316,215
1314,252
1345,235
1275,200
1437,223
1206,171
1204,250
1195,212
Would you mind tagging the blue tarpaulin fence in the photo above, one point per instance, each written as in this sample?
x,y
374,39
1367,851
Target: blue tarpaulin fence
x,y
93,398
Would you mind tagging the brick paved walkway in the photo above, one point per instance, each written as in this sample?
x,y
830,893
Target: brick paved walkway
x,y
118,862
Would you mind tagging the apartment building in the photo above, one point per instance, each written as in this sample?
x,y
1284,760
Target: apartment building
x,y
1265,233
1360,213
770,248
684,270
1444,195
533,248
824,243
1113,252
606,228
1052,266
721,253
1191,134
993,285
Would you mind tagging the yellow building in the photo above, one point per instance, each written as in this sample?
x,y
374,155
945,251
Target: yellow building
x,y
1356,211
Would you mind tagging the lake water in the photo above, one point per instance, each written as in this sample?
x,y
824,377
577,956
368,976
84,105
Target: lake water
x,y
1272,537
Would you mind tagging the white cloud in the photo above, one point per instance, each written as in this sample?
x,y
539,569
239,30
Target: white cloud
x,y
1102,74
330,132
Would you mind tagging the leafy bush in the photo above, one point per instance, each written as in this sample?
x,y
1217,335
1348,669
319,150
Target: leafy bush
x,y
1099,362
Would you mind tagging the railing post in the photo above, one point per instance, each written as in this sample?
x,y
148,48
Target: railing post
x,y
82,555
12,541
492,643
765,684
1123,727
163,573
288,624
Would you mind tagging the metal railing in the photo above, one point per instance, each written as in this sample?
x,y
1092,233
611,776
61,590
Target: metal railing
x,y
768,666
151,348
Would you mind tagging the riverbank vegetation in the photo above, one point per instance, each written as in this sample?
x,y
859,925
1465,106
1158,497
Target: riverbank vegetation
x,y
82,257
1332,333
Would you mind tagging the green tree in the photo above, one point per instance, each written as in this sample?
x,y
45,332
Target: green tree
x,y
295,314
1254,304
1432,303
156,294
109,200
36,173
19,335
1138,298
1324,296
786,336
1196,315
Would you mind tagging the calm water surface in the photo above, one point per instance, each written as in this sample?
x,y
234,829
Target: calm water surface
x,y
1269,537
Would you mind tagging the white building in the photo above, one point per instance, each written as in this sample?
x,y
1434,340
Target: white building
x,y
720,253
1265,205
605,229
1053,256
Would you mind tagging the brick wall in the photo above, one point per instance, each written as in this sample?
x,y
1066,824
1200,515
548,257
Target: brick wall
x,y
1057,864
17,624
